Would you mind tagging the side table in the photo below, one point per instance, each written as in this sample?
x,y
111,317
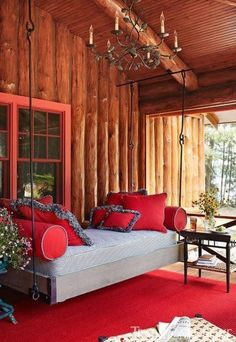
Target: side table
x,y
207,241
6,310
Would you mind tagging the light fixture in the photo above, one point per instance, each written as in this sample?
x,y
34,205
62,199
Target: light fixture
x,y
128,53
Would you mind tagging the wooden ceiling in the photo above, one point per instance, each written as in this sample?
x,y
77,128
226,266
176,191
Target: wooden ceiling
x,y
206,28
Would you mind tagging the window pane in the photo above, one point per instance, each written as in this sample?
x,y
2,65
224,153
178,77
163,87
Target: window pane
x,y
54,148
3,145
220,152
40,151
24,121
40,122
53,124
47,180
3,118
4,179
24,146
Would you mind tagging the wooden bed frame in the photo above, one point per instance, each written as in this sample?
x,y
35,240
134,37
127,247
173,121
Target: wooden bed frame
x,y
58,289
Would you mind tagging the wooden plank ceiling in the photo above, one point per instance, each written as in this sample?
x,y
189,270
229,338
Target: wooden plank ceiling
x,y
206,28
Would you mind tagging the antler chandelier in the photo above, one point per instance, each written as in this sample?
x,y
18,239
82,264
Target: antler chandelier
x,y
127,52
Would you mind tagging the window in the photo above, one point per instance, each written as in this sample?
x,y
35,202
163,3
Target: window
x,y
50,149
4,151
220,153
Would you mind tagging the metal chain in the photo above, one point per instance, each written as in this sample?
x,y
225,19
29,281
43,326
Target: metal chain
x,y
182,137
29,29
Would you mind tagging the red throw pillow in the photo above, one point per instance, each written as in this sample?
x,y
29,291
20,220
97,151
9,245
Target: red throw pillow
x,y
151,209
175,218
56,214
117,198
120,220
98,213
45,200
6,203
50,217
51,241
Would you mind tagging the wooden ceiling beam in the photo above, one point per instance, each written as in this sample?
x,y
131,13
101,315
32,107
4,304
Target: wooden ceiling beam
x,y
227,2
213,119
170,87
203,99
110,7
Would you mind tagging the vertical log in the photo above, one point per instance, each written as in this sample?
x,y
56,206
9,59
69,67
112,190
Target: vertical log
x,y
135,136
79,91
123,135
159,158
148,154
167,157
113,127
201,155
142,151
23,49
46,57
102,152
91,135
174,161
8,46
195,160
63,63
151,152
188,162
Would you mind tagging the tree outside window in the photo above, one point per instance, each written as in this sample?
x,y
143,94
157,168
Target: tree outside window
x,y
220,156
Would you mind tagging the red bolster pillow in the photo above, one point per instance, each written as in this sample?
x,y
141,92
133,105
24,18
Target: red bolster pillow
x,y
51,240
175,218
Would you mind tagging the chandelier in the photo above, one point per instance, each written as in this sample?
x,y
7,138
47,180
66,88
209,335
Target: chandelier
x,y
127,52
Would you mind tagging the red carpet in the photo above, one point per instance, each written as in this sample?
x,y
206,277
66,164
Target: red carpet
x,y
141,301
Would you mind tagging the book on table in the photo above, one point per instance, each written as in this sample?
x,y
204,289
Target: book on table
x,y
207,260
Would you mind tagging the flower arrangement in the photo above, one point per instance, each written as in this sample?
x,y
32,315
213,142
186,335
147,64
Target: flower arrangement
x,y
208,203
14,250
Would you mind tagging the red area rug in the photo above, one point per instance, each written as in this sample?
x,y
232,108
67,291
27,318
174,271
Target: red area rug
x,y
141,301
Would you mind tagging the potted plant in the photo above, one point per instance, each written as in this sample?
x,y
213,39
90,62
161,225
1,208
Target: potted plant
x,y
208,204
14,249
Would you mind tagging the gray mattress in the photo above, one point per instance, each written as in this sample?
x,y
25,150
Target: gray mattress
x,y
108,247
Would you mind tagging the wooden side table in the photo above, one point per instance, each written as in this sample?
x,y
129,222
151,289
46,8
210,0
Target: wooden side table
x,y
207,241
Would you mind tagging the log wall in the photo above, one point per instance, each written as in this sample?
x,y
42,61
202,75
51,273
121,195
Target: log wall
x,y
163,158
64,71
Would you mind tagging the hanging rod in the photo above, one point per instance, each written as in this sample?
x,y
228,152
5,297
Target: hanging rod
x,y
153,77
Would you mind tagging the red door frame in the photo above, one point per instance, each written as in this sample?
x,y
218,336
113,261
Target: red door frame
x,y
14,102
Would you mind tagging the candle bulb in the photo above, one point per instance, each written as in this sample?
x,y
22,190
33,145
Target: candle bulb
x,y
162,18
117,22
175,39
91,35
148,55
108,45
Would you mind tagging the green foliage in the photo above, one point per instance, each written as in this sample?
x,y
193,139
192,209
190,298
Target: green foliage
x,y
13,249
208,203
220,162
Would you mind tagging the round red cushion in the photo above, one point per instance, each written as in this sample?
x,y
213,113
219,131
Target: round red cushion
x,y
51,241
175,218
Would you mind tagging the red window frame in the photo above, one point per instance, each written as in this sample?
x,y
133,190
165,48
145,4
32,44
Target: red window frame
x,y
14,103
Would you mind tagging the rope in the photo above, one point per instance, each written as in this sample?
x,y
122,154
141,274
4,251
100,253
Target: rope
x,y
29,29
181,138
